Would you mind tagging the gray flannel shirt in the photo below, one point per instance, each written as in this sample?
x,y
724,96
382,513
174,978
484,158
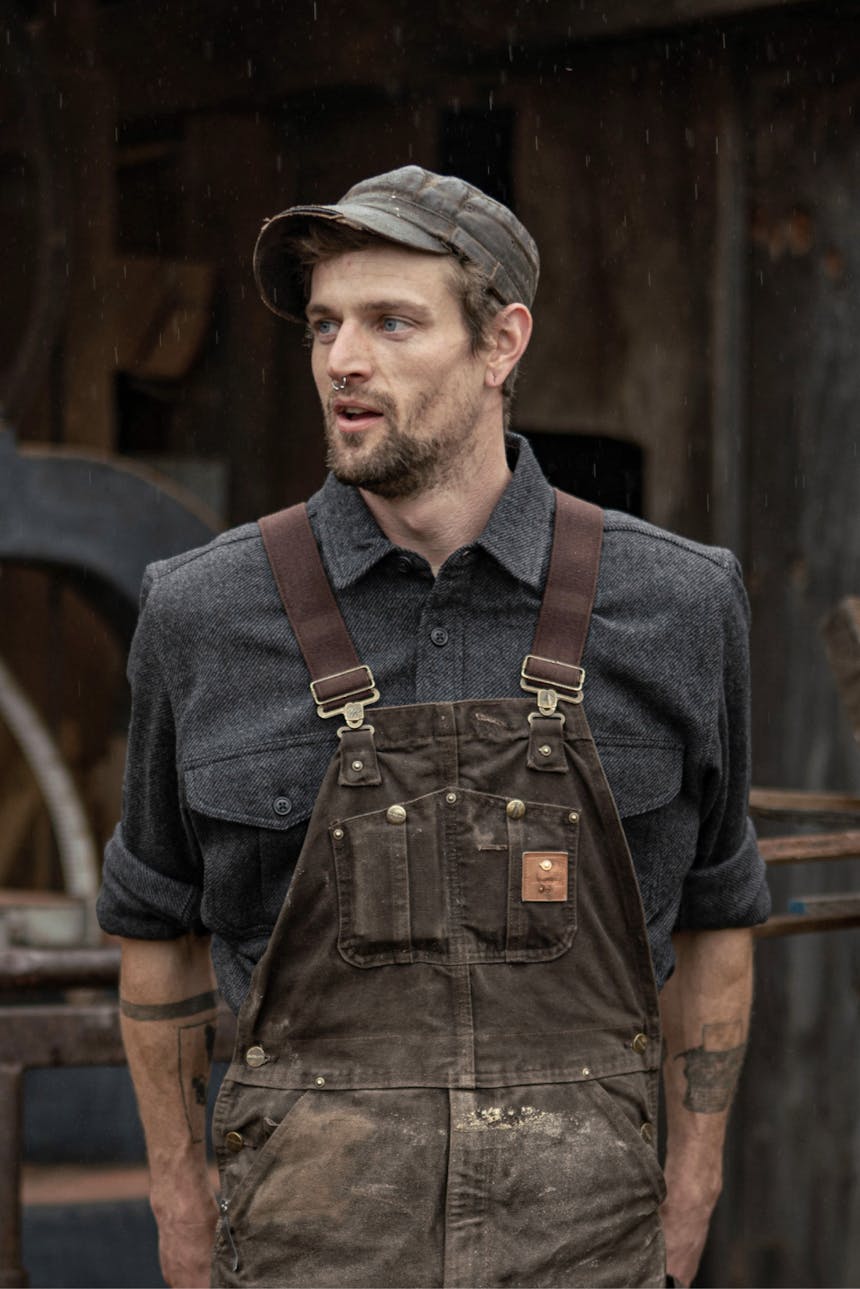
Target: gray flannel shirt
x,y
226,752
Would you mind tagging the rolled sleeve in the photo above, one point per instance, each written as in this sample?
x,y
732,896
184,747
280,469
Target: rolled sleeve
x,y
152,877
727,886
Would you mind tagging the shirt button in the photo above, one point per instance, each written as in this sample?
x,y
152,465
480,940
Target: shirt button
x,y
439,636
282,805
404,564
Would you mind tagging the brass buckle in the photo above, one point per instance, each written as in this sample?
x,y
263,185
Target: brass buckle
x,y
548,696
350,707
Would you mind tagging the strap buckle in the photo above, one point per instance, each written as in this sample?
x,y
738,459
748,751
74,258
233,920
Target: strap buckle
x,y
552,681
333,699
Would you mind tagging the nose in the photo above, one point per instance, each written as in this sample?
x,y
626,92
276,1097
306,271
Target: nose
x,y
348,355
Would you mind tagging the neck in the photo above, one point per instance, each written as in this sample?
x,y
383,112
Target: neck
x,y
440,520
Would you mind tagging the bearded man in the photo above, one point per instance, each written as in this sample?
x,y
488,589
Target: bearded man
x,y
452,917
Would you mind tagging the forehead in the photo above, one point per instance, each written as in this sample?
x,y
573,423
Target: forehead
x,y
383,272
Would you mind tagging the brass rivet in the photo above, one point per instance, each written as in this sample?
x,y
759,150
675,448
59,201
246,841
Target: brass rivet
x,y
639,1043
585,1071
357,765
234,1141
450,797
573,816
545,749
515,809
319,1081
395,815
546,864
255,1056
337,832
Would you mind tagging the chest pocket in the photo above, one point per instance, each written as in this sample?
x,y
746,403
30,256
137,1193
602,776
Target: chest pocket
x,y
643,776
249,813
456,877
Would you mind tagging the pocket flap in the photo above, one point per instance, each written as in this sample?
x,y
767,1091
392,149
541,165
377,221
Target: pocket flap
x,y
271,787
643,776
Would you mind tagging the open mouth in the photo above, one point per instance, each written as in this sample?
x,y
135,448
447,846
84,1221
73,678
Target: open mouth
x,y
352,416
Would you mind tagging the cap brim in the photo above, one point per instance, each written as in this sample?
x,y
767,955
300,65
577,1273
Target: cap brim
x,y
277,270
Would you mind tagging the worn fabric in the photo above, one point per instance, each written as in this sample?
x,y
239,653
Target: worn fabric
x,y
226,753
446,1067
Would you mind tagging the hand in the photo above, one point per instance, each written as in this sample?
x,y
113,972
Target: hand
x,y
685,1227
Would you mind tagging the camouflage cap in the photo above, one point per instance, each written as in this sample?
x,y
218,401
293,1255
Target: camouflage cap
x,y
410,207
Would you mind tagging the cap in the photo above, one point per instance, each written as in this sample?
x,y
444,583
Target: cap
x,y
410,207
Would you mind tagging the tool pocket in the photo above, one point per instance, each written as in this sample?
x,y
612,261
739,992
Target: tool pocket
x,y
456,877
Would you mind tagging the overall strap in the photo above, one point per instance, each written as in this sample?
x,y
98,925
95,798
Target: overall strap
x,y
340,684
553,666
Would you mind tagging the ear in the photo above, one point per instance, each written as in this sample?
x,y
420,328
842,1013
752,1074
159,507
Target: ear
x,y
510,335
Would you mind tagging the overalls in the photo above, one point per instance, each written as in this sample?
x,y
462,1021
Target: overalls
x,y
446,1067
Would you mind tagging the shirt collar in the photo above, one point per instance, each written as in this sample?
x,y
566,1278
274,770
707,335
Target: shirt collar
x,y
517,534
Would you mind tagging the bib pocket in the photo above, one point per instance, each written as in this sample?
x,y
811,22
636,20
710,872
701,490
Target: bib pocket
x,y
455,877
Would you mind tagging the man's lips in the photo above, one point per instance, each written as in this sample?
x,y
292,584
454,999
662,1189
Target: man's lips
x,y
351,415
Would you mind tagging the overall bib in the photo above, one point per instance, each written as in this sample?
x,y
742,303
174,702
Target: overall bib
x,y
446,1067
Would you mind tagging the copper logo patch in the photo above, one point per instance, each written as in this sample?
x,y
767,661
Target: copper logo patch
x,y
545,875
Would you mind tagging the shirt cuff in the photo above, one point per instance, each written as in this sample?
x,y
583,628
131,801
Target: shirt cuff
x,y
732,893
138,901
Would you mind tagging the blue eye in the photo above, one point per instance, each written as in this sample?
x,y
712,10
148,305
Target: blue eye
x,y
393,324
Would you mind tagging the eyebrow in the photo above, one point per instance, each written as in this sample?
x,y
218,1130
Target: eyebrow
x,y
320,310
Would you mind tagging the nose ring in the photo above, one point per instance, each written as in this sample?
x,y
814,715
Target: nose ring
x,y
340,385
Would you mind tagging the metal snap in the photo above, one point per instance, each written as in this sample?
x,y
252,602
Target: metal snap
x,y
450,797
639,1043
234,1141
395,815
545,749
573,816
282,805
515,809
337,833
319,1081
255,1056
546,864
585,1071
357,765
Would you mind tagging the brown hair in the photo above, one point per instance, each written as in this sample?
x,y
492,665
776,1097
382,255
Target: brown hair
x,y
471,286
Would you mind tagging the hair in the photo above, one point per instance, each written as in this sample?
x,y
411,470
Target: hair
x,y
472,288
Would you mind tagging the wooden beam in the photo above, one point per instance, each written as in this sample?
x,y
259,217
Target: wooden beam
x,y
172,59
792,850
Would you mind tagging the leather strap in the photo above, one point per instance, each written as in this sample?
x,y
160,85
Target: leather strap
x,y
568,596
308,599
334,666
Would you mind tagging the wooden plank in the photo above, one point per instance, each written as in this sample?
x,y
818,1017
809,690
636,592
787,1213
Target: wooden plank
x,y
841,631
783,924
847,905
797,801
173,58
810,846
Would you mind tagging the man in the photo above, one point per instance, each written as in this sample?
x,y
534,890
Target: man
x,y
446,1062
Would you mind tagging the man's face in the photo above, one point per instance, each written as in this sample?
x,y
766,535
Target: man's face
x,y
387,319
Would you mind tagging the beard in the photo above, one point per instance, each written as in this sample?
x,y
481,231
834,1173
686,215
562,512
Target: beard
x,y
401,465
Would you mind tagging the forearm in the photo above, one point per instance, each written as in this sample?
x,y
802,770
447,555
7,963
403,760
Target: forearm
x,y
168,1014
705,1009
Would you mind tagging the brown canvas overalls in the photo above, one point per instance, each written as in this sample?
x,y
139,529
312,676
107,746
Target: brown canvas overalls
x,y
446,1067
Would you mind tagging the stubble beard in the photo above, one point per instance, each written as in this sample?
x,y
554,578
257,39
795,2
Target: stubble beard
x,y
400,465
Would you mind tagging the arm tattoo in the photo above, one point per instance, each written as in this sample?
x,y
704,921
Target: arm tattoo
x,y
193,1072
170,1011
712,1069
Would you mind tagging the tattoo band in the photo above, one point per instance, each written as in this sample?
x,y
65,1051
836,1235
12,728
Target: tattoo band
x,y
712,1069
170,1011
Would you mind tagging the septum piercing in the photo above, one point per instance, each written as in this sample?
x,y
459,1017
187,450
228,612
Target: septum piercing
x,y
340,385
